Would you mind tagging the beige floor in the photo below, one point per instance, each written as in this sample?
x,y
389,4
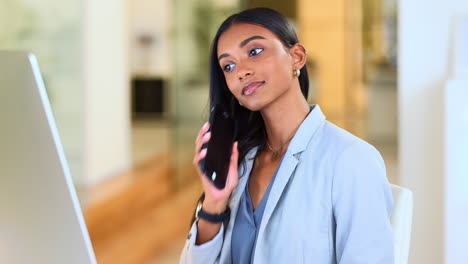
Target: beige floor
x,y
150,138
171,253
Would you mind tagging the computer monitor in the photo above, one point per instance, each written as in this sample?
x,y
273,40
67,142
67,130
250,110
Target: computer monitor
x,y
40,216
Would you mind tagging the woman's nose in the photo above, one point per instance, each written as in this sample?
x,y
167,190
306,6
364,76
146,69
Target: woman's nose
x,y
244,72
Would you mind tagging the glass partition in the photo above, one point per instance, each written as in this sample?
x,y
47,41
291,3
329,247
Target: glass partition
x,y
51,30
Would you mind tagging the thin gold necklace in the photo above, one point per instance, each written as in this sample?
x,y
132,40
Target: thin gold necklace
x,y
275,153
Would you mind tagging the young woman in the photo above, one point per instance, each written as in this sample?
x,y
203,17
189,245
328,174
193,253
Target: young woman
x,y
299,189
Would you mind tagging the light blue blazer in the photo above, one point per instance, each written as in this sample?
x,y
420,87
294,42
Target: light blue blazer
x,y
330,203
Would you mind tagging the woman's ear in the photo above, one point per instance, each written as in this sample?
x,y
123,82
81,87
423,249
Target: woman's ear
x,y
299,55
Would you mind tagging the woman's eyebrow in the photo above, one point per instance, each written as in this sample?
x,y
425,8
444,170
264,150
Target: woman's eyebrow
x,y
242,44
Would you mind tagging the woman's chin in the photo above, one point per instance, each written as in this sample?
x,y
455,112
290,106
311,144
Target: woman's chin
x,y
253,106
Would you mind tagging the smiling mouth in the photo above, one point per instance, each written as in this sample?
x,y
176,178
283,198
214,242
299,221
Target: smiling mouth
x,y
251,87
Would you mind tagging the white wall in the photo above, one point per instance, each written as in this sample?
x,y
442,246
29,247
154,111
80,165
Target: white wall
x,y
456,171
424,58
154,18
106,90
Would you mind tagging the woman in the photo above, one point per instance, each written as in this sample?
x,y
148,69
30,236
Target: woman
x,y
306,191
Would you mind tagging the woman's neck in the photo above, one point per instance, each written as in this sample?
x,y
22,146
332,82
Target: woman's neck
x,y
284,116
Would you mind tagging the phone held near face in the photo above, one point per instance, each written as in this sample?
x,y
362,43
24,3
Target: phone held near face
x,y
223,129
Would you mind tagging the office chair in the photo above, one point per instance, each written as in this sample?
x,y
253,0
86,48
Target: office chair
x,y
402,216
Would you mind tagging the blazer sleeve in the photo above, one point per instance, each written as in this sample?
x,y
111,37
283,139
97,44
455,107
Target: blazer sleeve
x,y
362,206
206,253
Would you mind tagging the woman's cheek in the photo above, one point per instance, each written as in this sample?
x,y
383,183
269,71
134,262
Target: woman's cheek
x,y
233,91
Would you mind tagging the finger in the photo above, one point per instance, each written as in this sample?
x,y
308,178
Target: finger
x,y
233,177
235,155
199,144
209,187
197,159
202,131
202,141
200,155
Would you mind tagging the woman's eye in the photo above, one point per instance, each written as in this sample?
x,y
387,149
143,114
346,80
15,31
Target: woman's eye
x,y
229,67
254,52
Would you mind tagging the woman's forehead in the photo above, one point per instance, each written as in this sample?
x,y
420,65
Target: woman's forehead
x,y
238,32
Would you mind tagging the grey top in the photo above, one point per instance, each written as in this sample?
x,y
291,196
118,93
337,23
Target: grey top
x,y
246,226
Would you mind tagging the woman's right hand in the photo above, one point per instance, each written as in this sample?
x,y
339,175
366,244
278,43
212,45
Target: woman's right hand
x,y
216,200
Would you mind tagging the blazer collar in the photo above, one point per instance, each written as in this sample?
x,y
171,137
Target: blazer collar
x,y
306,130
298,144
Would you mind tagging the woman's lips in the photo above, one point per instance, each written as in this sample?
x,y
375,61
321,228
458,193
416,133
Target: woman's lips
x,y
251,87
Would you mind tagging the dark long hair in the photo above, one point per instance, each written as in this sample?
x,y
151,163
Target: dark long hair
x,y
251,131
251,128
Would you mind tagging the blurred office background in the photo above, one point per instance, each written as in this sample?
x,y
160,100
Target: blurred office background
x,y
128,83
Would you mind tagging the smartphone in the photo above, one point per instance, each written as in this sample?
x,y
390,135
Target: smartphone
x,y
223,130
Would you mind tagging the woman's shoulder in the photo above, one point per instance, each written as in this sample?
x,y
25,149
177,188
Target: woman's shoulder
x,y
335,142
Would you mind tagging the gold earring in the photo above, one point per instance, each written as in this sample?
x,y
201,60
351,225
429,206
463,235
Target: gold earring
x,y
297,73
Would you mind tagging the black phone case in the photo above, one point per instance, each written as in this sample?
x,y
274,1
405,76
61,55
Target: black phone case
x,y
223,130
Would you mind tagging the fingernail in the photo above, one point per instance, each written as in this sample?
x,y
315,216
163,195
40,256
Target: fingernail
x,y
213,176
208,134
203,151
205,125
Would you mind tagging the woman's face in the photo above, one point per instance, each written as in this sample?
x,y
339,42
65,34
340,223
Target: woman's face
x,y
257,66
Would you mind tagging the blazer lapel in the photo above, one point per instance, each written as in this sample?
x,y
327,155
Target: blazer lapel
x,y
234,205
298,144
291,158
288,165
